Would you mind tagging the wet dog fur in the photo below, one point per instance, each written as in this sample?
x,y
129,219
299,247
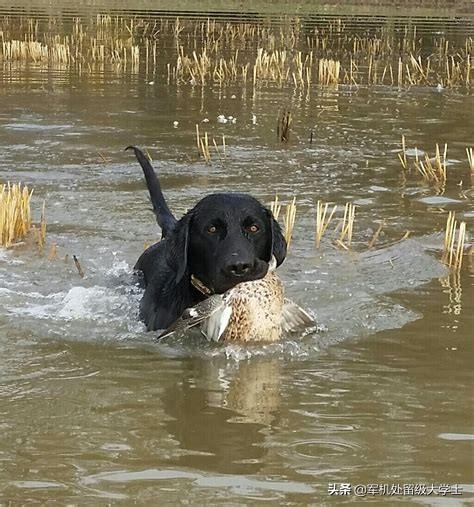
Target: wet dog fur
x,y
225,239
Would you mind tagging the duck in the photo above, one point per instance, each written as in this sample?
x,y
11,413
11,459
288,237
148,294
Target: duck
x,y
254,311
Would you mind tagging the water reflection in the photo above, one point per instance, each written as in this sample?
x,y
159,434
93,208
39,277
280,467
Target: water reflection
x,y
219,414
89,403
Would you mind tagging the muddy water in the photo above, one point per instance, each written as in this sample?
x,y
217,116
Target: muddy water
x,y
93,412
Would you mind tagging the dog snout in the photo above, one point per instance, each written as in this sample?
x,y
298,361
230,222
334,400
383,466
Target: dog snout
x,y
238,268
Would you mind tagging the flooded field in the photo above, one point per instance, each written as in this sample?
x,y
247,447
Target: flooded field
x,y
94,412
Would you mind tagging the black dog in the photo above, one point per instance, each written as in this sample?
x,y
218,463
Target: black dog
x,y
224,240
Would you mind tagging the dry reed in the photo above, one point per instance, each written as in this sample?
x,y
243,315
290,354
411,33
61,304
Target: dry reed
x,y
275,207
198,139
204,147
41,230
376,235
285,121
322,222
289,220
202,144
329,71
433,170
212,52
454,239
345,238
78,266
403,155
53,252
15,213
470,158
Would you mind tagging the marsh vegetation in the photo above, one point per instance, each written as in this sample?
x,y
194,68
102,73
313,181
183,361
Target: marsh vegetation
x,y
359,138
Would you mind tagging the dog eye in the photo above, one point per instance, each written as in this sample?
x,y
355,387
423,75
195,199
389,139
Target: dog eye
x,y
212,229
253,228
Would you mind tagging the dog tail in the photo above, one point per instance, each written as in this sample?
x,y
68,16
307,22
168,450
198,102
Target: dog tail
x,y
164,217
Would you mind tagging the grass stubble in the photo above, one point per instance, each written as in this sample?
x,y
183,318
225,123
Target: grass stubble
x,y
256,54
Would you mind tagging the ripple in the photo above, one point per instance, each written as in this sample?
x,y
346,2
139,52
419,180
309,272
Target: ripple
x,y
34,126
238,483
37,484
317,447
456,436
115,447
438,200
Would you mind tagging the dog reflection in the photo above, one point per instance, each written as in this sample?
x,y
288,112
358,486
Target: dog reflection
x,y
218,413
254,392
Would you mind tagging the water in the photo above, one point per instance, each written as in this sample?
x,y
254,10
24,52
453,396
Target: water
x,y
93,412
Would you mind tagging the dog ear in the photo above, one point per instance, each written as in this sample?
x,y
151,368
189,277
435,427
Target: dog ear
x,y
177,257
277,245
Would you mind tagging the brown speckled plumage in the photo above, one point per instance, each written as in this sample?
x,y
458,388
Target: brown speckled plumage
x,y
256,311
253,311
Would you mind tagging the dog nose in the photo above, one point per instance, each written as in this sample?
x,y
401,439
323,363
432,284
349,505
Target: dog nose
x,y
238,268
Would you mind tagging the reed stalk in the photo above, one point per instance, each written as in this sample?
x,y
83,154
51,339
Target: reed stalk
x,y
322,222
204,148
284,126
433,170
329,71
458,255
345,238
53,252
41,231
78,266
198,138
449,235
376,235
403,155
211,52
289,221
275,207
454,239
15,213
470,158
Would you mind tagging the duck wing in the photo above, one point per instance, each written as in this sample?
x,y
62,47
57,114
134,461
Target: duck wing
x,y
293,316
195,315
215,325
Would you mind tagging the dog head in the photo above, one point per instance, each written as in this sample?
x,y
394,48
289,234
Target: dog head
x,y
224,240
